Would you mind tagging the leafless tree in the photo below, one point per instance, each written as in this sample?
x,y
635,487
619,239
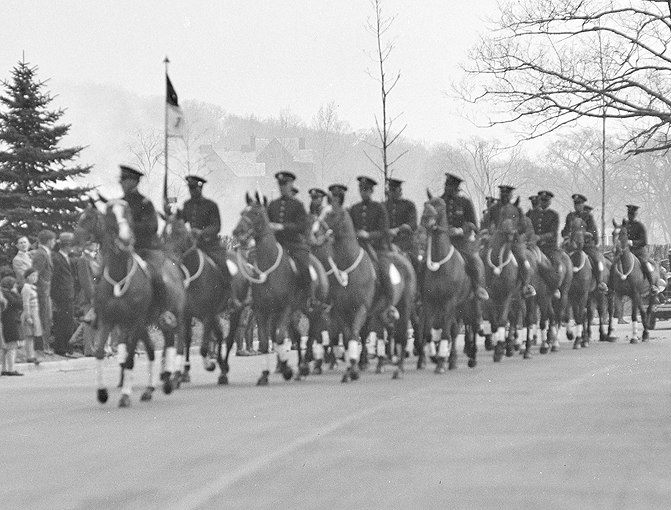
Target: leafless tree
x,y
548,63
378,25
329,139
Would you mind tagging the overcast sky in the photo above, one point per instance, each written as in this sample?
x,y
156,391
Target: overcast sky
x,y
252,56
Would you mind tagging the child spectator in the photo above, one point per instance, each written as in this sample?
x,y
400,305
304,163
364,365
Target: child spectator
x,y
10,325
30,318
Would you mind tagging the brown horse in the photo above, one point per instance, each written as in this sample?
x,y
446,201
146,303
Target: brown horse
x,y
501,276
275,292
207,295
582,286
352,293
446,291
627,279
124,299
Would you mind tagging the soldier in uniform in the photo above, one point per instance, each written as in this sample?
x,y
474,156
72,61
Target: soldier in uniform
x,y
372,231
638,240
518,246
460,213
203,216
591,240
535,204
546,225
337,192
289,221
316,201
145,227
402,215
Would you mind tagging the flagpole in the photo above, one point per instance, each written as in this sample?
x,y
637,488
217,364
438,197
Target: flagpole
x,y
165,131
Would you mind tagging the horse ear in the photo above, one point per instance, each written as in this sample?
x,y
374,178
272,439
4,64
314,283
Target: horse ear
x,y
248,199
614,223
257,197
428,194
517,202
265,201
102,198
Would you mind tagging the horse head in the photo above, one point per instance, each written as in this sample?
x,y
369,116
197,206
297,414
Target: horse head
x,y
178,237
118,224
510,219
576,237
620,238
254,220
90,226
337,220
434,213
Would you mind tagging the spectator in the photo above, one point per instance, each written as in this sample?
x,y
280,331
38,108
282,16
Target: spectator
x,y
46,240
87,269
11,315
63,295
22,260
30,316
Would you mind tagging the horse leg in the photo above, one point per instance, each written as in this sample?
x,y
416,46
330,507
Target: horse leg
x,y
208,328
454,335
353,338
221,361
126,358
188,334
102,334
152,372
283,344
635,308
263,323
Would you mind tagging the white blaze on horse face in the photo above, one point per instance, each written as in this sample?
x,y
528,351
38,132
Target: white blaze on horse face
x,y
232,267
124,228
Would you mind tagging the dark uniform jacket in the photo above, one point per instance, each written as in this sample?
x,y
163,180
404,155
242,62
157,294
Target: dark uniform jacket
x,y
290,213
145,222
590,225
460,211
372,217
638,237
402,212
546,226
203,214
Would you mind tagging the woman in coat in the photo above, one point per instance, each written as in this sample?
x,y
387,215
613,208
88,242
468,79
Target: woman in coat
x,y
30,318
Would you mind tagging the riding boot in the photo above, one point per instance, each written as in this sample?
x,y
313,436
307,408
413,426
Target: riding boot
x,y
523,268
390,312
476,274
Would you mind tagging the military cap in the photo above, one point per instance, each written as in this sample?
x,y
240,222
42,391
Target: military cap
x,y
632,208
366,182
129,171
317,193
395,183
545,194
338,189
534,198
505,188
578,198
453,180
194,180
285,177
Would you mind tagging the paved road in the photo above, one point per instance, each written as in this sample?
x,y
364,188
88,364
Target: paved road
x,y
575,429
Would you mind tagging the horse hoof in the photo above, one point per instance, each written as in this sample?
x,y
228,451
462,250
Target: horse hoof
x,y
210,366
124,401
440,366
509,351
223,379
263,380
345,378
380,366
569,335
517,347
177,380
645,337
421,364
633,340
498,352
288,373
472,362
363,366
527,354
488,343
452,365
317,371
186,378
304,370
354,375
146,396
167,387
103,396
554,348
397,375
585,344
576,344
544,348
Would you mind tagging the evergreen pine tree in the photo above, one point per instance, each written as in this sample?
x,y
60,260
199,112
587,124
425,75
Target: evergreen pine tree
x,y
37,188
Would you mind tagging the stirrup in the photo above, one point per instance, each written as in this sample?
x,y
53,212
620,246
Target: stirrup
x,y
603,287
481,293
654,289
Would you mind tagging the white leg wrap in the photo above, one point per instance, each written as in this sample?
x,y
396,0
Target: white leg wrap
x,y
634,329
317,351
381,348
353,350
304,343
127,382
436,334
180,359
570,326
501,334
170,355
339,351
99,373
326,339
443,348
153,373
284,349
121,353
371,341
432,348
206,362
534,329
544,335
578,331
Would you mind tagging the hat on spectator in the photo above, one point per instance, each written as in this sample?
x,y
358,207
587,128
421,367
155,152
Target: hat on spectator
x,y
65,239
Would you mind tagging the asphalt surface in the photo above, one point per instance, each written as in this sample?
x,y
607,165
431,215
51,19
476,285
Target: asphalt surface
x,y
574,429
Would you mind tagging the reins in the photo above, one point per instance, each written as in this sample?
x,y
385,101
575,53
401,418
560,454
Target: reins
x,y
262,275
498,269
435,266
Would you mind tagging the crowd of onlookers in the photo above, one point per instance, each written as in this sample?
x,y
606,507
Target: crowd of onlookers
x,y
47,300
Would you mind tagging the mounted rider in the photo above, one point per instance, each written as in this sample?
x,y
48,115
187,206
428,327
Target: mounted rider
x,y
202,215
147,245
546,224
337,192
638,240
461,218
518,245
402,217
371,225
316,201
289,221
591,240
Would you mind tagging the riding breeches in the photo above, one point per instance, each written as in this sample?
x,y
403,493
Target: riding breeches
x,y
301,256
595,258
519,249
644,259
